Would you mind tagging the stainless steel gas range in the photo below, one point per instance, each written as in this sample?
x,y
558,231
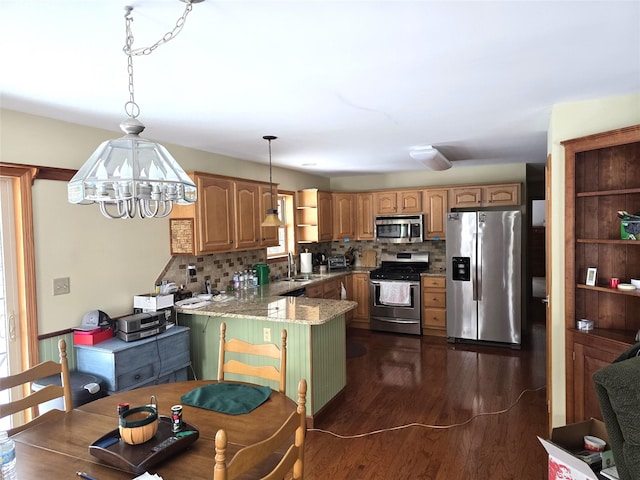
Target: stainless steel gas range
x,y
396,304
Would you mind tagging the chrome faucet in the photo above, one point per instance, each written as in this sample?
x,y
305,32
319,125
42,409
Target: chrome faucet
x,y
291,266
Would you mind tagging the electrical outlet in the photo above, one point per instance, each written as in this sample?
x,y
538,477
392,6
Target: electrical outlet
x,y
61,286
266,334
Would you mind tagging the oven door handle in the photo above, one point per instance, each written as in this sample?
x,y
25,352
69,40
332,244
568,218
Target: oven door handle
x,y
412,284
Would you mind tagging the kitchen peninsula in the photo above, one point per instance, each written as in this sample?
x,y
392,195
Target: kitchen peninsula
x,y
316,335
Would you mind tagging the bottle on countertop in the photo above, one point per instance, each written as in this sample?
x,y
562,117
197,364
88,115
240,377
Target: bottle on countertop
x,y
246,279
236,280
8,452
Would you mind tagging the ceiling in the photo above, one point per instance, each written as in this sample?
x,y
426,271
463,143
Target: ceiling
x,y
348,87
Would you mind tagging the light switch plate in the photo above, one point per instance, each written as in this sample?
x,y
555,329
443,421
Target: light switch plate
x,y
61,286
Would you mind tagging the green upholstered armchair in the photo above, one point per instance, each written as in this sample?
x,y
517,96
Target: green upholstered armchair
x,y
618,389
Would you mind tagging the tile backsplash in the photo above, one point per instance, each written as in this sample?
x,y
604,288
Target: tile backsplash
x,y
219,268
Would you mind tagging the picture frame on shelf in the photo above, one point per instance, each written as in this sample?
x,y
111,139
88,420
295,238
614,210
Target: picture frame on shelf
x,y
592,273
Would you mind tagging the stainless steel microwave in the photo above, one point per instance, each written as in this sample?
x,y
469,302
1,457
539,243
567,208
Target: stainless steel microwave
x,y
399,228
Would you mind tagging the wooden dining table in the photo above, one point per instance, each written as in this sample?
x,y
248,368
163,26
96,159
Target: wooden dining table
x,y
59,448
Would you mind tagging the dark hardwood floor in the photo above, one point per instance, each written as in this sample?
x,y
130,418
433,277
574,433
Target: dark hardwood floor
x,y
398,380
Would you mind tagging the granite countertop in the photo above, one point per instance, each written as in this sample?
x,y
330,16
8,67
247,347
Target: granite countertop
x,y
265,303
436,272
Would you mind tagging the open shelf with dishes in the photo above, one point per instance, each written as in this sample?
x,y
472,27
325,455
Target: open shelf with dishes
x,y
602,178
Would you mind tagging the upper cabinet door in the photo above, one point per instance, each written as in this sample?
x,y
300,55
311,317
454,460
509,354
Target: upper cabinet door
x,y
410,201
364,216
436,207
247,214
344,216
216,212
466,197
385,203
496,195
325,217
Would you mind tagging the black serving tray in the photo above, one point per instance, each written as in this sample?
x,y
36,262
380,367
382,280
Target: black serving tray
x,y
111,449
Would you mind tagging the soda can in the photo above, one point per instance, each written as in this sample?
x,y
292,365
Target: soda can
x,y
176,418
122,407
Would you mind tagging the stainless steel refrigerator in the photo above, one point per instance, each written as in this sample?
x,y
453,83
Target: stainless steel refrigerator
x,y
484,276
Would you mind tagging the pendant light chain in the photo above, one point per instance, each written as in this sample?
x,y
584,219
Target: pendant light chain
x,y
131,107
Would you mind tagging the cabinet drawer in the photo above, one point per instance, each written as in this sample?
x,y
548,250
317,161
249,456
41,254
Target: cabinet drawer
x,y
433,282
434,317
315,291
177,376
135,378
435,299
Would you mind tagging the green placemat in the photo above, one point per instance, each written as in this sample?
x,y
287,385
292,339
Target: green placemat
x,y
229,398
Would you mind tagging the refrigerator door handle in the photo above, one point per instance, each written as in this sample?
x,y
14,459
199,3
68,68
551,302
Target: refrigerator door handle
x,y
473,267
478,267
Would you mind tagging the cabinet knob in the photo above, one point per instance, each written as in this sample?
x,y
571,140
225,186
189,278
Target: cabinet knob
x,y
137,377
230,241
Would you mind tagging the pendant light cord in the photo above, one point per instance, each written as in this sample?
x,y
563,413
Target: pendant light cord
x,y
269,138
270,177
131,108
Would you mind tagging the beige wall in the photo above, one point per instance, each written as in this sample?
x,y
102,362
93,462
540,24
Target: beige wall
x,y
572,120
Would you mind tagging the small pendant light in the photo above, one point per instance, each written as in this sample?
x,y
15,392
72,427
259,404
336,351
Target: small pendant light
x,y
272,219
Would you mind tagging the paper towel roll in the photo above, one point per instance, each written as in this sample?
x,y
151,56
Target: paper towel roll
x,y
306,263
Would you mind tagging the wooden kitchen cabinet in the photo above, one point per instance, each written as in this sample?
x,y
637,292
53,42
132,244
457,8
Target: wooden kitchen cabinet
x,y
436,206
212,217
314,291
588,354
485,196
364,216
330,289
360,285
226,217
325,217
434,307
314,216
397,202
344,216
348,285
602,176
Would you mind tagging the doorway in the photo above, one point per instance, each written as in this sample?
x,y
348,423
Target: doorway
x,y
10,351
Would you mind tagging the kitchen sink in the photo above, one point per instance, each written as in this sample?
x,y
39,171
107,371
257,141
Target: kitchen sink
x,y
300,278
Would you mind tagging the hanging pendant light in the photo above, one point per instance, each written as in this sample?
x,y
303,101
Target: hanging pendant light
x,y
131,175
272,219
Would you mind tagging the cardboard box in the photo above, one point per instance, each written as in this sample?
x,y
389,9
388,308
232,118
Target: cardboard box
x,y
92,336
565,442
152,302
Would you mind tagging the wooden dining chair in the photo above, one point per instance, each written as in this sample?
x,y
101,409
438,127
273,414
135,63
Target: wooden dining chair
x,y
269,350
264,460
49,392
